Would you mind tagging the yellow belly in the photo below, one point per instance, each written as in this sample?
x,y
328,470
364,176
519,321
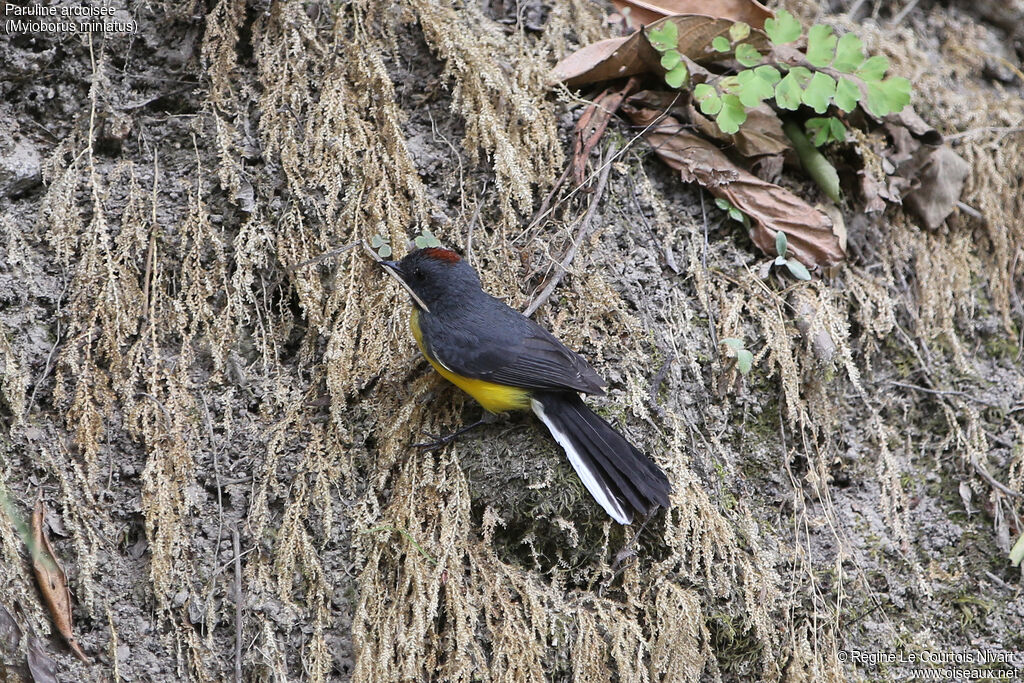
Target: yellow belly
x,y
496,398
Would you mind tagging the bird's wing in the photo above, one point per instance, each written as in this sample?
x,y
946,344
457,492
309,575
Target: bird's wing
x,y
518,353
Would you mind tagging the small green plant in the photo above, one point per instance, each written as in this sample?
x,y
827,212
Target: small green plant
x,y
832,71
665,40
744,358
824,130
380,245
426,239
1017,552
732,211
797,269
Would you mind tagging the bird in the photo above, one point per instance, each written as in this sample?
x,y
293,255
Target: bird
x,y
508,362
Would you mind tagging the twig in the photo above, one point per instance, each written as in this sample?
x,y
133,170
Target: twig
x,y
704,267
537,219
984,129
969,210
570,254
472,223
660,377
238,605
993,482
216,475
948,392
998,581
324,256
904,12
53,349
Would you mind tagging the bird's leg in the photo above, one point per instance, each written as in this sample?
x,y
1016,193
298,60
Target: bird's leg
x,y
440,441
628,551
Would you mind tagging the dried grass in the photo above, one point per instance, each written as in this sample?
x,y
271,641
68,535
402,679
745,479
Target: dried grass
x,y
187,336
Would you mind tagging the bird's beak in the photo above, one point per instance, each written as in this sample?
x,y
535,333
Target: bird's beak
x,y
393,269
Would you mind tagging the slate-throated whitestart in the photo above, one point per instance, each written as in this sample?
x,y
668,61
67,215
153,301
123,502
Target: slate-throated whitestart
x,y
508,362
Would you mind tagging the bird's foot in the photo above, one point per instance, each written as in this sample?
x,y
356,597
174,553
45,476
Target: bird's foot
x,y
438,441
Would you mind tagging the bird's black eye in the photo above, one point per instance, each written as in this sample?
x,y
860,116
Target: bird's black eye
x,y
418,273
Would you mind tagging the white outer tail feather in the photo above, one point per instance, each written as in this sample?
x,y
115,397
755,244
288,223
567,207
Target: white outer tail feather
x,y
579,463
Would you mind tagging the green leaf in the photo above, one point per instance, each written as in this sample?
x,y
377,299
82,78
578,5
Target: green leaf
x,y
798,269
849,53
384,251
664,38
1017,551
736,214
732,115
837,131
873,68
825,130
420,242
819,91
847,94
376,241
783,29
747,55
781,244
710,103
729,84
739,31
753,88
821,45
888,96
722,204
768,73
702,91
788,92
732,342
744,361
721,44
677,76
671,59
818,127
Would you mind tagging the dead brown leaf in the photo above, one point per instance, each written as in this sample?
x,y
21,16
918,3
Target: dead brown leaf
x,y
748,11
40,666
941,179
771,208
592,124
633,54
761,134
606,60
52,580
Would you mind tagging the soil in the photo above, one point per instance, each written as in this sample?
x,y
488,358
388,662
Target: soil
x,y
219,417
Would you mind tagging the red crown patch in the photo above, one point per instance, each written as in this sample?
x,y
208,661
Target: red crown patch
x,y
446,255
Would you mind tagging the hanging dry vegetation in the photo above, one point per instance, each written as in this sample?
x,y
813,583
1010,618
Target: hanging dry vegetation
x,y
178,365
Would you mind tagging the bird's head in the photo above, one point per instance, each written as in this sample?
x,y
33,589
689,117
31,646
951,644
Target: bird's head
x,y
434,277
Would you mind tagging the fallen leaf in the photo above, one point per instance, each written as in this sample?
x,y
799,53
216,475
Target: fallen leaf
x,y
966,496
770,207
941,179
41,667
761,134
10,632
606,60
591,126
52,581
633,54
747,11
909,119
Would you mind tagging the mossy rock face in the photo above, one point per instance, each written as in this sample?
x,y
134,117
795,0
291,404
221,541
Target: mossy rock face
x,y
181,367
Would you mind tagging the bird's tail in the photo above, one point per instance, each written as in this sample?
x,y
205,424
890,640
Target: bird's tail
x,y
620,477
